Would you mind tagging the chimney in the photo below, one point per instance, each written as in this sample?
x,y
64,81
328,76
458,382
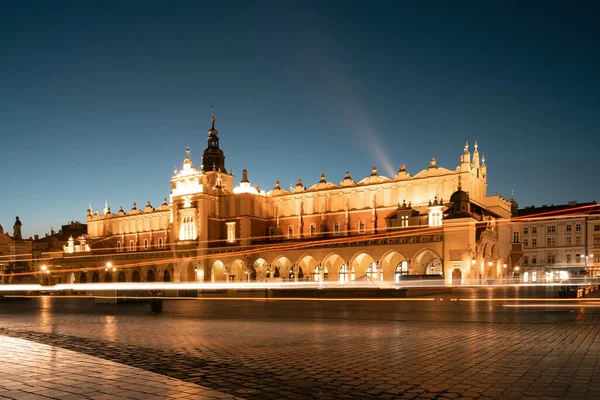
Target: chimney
x,y
36,237
573,202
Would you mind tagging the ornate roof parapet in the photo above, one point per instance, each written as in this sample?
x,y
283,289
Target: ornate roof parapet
x,y
432,163
402,173
148,208
483,168
299,187
475,161
245,187
134,210
347,181
164,206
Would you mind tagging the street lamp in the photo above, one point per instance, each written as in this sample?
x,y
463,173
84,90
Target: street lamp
x,y
44,270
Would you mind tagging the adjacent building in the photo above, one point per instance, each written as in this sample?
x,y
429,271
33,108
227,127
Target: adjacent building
x,y
558,242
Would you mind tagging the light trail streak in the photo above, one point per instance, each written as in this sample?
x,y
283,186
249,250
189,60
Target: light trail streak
x,y
579,305
532,299
255,299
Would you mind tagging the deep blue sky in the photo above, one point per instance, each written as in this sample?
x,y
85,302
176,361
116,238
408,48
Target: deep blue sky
x,y
98,100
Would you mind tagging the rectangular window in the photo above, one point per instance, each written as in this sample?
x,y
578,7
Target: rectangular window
x,y
290,231
361,226
336,228
577,258
313,230
551,241
435,218
160,243
145,244
188,230
569,240
404,221
272,232
515,237
230,232
525,260
596,258
534,276
551,229
596,239
533,242
119,248
577,239
568,227
577,227
568,258
534,259
551,259
525,243
131,245
596,228
534,230
525,231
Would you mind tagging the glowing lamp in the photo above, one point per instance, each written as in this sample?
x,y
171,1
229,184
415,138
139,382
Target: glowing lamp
x,y
44,268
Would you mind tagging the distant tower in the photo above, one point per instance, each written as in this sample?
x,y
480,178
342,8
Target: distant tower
x,y
213,157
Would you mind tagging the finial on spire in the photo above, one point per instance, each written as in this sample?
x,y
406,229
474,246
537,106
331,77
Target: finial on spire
x,y
322,177
512,194
187,152
483,160
212,118
476,145
466,146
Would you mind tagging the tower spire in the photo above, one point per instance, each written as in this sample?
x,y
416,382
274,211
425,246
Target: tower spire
x,y
212,119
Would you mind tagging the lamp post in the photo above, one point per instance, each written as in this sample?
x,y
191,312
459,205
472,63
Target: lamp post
x,y
44,271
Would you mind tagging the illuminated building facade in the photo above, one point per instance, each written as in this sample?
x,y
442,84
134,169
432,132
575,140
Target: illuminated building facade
x,y
558,241
438,222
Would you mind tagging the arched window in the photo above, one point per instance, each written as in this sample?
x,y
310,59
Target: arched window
x,y
372,270
160,243
131,245
119,246
401,269
145,244
345,274
316,274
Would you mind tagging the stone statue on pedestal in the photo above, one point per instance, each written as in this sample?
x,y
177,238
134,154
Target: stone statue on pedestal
x,y
17,230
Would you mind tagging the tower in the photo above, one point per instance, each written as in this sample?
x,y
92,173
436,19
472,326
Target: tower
x,y
213,157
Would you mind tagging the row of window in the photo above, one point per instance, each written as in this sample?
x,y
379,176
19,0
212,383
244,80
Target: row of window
x,y
552,229
550,241
551,259
146,245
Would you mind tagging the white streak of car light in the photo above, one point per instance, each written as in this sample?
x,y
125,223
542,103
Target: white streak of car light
x,y
191,286
551,305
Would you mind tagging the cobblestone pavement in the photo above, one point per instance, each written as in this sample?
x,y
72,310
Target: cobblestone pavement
x,y
35,371
462,345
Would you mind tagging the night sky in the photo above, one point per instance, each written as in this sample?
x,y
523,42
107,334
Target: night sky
x,y
98,100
